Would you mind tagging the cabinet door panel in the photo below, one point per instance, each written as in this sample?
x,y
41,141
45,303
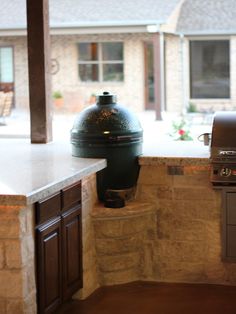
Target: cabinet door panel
x,y
72,252
49,266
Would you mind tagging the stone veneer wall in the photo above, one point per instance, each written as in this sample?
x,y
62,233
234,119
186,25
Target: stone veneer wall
x,y
17,265
124,241
188,214
90,273
171,233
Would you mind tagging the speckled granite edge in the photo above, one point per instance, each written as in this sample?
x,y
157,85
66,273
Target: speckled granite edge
x,y
161,160
132,209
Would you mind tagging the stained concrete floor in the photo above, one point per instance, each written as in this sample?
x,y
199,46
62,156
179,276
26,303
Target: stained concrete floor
x,y
156,298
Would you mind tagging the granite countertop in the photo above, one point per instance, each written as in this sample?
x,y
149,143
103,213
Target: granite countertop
x,y
175,152
29,172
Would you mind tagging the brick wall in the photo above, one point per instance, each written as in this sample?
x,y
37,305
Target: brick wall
x,y
131,91
76,94
173,75
19,45
177,95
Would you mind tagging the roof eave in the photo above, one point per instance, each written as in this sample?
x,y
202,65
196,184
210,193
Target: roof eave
x,y
91,28
207,32
107,23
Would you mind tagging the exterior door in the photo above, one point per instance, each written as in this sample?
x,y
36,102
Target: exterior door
x,y
149,76
6,69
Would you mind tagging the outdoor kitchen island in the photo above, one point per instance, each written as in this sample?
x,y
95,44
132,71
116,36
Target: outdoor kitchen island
x,y
40,224
171,232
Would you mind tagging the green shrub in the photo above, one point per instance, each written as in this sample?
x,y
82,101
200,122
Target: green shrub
x,y
57,95
192,108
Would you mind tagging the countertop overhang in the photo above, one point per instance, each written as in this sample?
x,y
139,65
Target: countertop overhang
x,y
29,172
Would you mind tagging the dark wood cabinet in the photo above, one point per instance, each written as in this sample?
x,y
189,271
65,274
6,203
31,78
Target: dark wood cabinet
x,y
49,266
58,248
71,248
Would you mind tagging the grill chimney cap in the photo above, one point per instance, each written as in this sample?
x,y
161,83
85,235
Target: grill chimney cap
x,y
106,99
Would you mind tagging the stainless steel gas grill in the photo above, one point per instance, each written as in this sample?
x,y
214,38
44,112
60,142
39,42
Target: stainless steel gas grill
x,y
223,149
223,176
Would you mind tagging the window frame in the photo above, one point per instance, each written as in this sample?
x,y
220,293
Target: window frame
x,y
12,47
207,38
100,62
13,63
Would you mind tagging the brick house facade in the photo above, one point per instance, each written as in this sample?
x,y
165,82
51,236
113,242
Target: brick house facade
x,y
171,30
178,75
76,94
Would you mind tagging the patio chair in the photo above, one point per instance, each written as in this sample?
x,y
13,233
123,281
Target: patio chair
x,y
6,100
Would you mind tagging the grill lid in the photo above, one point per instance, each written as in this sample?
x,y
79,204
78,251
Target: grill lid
x,y
223,138
106,122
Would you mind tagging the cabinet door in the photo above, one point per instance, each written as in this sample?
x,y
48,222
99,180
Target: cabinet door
x,y
71,251
49,277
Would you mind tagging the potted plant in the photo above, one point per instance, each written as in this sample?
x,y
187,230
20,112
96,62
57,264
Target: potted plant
x,y
180,131
58,99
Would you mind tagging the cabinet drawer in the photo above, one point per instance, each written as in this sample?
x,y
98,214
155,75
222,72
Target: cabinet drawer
x,y
71,196
48,208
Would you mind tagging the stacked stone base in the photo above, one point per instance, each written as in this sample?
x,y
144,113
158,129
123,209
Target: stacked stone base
x,y
124,242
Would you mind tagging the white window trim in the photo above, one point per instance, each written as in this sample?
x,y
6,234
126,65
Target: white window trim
x,y
100,62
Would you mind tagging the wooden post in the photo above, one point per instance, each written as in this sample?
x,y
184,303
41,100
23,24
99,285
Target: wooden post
x,y
39,70
157,75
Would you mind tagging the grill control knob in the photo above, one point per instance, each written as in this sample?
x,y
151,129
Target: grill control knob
x,y
225,172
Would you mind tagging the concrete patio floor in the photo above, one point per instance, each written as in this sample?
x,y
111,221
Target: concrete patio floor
x,y
155,132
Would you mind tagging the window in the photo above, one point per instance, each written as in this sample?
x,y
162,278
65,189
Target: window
x,y
101,62
209,66
6,68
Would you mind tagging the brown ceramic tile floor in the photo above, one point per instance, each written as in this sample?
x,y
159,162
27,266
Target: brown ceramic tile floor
x,y
157,298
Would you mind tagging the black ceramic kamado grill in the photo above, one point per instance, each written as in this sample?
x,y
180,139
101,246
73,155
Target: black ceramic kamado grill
x,y
223,149
109,130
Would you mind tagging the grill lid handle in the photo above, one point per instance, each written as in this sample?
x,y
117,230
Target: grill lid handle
x,y
227,153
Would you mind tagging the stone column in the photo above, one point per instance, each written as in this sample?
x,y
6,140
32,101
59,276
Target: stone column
x,y
17,267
